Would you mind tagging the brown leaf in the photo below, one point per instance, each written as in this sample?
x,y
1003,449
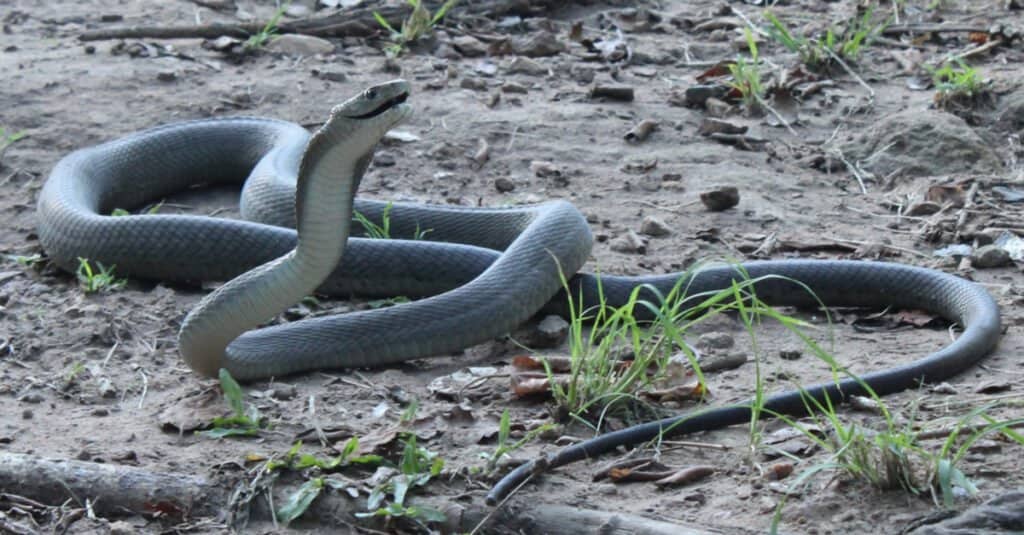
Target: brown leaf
x,y
686,475
558,364
688,392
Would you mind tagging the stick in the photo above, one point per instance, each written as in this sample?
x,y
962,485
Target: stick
x,y
358,22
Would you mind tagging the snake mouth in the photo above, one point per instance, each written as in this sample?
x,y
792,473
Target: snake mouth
x,y
385,106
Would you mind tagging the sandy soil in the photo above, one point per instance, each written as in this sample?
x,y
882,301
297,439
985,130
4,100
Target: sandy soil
x,y
97,377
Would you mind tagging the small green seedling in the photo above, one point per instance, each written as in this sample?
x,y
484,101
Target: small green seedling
x,y
958,85
746,75
382,231
97,279
261,38
244,421
419,23
504,446
8,139
418,466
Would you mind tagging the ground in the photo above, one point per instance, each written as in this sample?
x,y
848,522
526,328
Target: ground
x,y
869,164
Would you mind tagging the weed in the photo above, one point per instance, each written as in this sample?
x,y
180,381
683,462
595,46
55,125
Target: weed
x,y
29,261
261,38
504,434
382,231
97,279
8,139
417,467
835,46
243,421
957,87
746,76
419,23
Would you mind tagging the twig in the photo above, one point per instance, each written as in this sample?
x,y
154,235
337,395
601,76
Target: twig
x,y
500,504
850,71
145,388
965,210
899,29
887,246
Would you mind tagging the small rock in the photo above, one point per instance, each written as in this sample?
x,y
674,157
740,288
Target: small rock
x,y
32,397
106,389
985,446
652,226
630,242
27,414
790,354
384,159
697,95
166,76
550,332
486,68
100,411
542,43
283,392
780,470
543,169
521,65
715,340
121,527
504,185
469,46
475,84
720,199
223,43
512,87
331,76
944,388
300,45
990,256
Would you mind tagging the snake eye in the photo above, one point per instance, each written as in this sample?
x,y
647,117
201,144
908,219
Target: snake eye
x,y
371,94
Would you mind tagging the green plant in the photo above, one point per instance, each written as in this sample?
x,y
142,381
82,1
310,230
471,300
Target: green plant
x,y
746,75
959,81
419,23
504,446
836,45
27,261
260,39
97,279
417,467
244,421
382,231
8,139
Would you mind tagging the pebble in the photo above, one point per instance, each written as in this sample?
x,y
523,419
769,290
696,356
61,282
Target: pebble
x,y
630,242
790,354
121,527
521,65
32,397
512,87
990,256
550,332
652,226
27,414
697,95
384,159
715,340
283,392
475,84
720,199
469,46
300,45
296,10
542,43
504,185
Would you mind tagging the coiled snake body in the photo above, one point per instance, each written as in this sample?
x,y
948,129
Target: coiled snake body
x,y
490,268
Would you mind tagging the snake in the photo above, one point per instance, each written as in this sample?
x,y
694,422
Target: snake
x,y
483,271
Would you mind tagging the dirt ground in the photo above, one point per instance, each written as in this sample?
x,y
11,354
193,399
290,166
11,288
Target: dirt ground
x,y
868,167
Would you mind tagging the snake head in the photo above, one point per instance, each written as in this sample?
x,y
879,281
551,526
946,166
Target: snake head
x,y
356,125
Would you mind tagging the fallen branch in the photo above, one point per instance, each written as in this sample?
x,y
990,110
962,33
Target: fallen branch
x,y
358,22
114,490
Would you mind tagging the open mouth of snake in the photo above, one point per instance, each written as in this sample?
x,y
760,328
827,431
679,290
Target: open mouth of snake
x,y
385,106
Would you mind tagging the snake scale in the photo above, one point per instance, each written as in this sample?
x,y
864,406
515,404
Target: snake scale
x,y
484,271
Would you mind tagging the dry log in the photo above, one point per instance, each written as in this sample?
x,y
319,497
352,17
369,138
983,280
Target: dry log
x,y
350,22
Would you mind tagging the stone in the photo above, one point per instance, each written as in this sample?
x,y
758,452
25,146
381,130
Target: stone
x,y
629,242
652,226
300,45
922,143
521,65
720,199
990,256
504,185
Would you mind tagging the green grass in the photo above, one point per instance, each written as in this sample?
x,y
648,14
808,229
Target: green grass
x,y
121,212
382,230
844,45
263,37
505,444
746,75
8,138
245,420
97,279
959,81
419,23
